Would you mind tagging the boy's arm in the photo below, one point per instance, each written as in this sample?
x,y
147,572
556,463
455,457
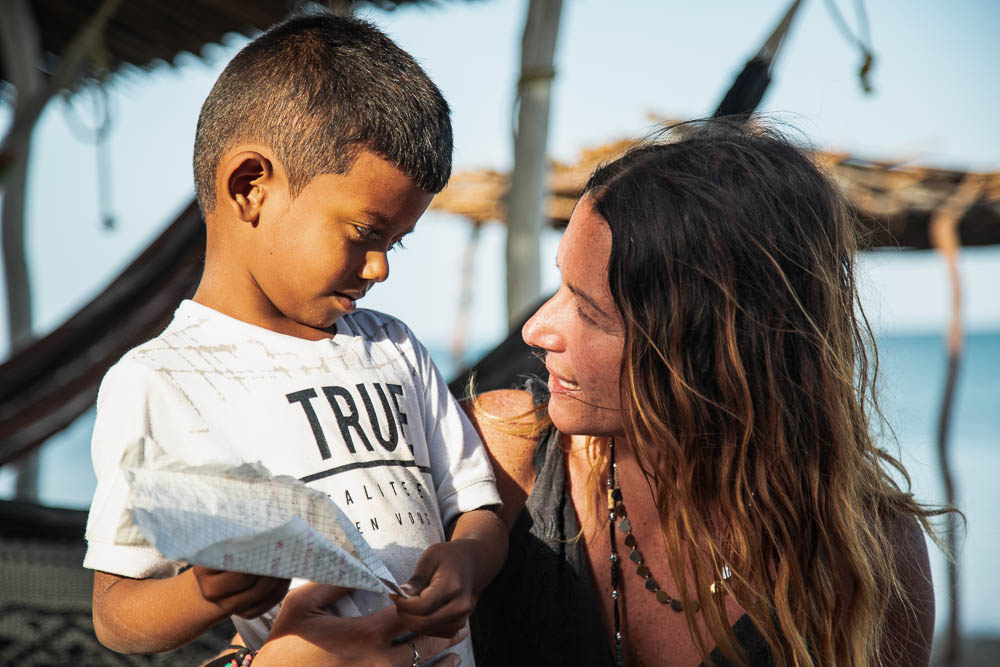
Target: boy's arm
x,y
154,615
484,533
450,576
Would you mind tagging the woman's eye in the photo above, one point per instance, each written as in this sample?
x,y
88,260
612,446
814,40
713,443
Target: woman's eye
x,y
397,245
584,317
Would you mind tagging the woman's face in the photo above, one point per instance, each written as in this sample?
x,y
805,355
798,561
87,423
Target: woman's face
x,y
581,331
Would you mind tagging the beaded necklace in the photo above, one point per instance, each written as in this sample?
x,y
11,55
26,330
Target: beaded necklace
x,y
616,510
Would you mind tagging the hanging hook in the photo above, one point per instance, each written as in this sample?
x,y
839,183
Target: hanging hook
x,y
97,135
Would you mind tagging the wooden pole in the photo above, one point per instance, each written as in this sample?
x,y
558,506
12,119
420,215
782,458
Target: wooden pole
x,y
945,239
22,55
528,187
460,331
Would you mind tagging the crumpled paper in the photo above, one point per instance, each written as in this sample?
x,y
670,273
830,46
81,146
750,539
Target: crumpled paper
x,y
244,519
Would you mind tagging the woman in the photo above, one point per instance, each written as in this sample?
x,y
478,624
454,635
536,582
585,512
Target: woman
x,y
708,372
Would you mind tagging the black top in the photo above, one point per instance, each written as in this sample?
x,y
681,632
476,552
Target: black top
x,y
541,609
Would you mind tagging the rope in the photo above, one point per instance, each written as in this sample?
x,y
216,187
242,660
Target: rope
x,y
863,41
98,136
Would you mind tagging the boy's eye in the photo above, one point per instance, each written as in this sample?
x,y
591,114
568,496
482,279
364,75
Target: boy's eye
x,y
366,233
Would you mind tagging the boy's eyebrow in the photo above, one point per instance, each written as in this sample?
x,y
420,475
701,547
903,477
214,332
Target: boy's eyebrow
x,y
376,217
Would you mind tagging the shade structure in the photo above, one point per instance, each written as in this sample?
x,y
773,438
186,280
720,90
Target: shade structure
x,y
893,200
143,33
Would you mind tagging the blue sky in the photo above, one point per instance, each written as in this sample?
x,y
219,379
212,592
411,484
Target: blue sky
x,y
934,103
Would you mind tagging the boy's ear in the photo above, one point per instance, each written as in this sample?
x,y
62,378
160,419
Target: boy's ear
x,y
248,177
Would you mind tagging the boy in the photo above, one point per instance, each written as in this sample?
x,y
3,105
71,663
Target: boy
x,y
316,152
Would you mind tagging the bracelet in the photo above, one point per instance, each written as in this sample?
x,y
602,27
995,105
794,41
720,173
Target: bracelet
x,y
242,657
247,659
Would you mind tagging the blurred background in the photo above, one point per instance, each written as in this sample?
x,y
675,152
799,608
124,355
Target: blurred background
x,y
899,97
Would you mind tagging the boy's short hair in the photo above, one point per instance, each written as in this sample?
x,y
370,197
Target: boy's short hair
x,y
316,89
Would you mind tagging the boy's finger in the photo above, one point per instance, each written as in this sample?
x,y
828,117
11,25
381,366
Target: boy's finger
x,y
263,595
443,622
429,600
423,573
256,609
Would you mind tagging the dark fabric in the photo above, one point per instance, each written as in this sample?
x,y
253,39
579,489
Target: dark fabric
x,y
53,381
541,608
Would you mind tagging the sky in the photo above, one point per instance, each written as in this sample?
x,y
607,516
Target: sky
x,y
932,104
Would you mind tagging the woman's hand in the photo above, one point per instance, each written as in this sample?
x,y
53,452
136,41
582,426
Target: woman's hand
x,y
304,633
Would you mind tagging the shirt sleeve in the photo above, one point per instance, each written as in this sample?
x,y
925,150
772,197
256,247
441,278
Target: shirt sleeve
x,y
125,402
460,467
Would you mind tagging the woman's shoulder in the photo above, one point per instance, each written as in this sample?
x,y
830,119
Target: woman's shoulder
x,y
506,421
910,621
502,405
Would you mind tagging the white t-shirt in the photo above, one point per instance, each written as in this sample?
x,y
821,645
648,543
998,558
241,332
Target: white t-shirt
x,y
364,416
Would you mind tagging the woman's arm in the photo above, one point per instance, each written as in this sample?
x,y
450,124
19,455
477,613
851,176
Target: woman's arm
x,y
498,416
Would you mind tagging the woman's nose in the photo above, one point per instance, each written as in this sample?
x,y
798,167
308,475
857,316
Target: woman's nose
x,y
376,268
540,330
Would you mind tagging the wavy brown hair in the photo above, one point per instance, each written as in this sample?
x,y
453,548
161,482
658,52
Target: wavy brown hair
x,y
747,387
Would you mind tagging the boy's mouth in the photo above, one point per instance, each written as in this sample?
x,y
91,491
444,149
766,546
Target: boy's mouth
x,y
348,299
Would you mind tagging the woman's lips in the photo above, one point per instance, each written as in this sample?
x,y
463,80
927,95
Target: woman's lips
x,y
560,385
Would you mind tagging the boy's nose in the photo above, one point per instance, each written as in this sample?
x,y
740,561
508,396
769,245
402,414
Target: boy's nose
x,y
376,268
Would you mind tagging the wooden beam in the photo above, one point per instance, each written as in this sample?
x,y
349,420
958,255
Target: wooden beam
x,y
527,189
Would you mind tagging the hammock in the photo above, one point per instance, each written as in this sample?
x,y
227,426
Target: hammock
x,y
52,382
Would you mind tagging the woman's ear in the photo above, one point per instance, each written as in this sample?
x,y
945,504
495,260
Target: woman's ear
x,y
248,177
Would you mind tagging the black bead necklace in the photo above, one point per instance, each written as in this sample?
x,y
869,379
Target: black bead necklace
x,y
616,511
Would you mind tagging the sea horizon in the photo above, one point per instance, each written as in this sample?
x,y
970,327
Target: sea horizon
x,y
912,373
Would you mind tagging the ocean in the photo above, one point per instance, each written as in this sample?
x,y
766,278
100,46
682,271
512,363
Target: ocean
x,y
912,373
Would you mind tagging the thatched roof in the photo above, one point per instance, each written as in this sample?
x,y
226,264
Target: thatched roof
x,y
144,32
894,202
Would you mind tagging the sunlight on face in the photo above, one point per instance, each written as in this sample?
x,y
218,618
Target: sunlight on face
x,y
581,332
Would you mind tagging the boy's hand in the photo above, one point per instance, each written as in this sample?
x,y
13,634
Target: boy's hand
x,y
443,586
245,595
450,576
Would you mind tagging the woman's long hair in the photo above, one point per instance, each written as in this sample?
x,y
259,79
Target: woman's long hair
x,y
747,389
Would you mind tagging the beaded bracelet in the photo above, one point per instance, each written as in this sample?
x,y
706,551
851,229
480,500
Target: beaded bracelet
x,y
242,657
247,659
